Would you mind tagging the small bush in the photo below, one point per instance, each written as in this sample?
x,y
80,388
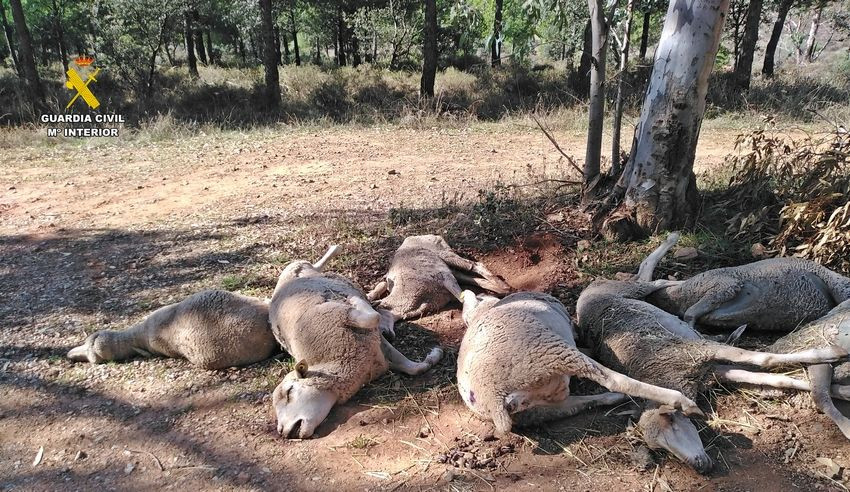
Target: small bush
x,y
456,90
792,195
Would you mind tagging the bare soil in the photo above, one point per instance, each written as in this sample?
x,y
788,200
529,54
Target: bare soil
x,y
96,237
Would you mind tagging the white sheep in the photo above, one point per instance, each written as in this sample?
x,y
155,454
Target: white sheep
x,y
518,355
423,277
325,322
212,329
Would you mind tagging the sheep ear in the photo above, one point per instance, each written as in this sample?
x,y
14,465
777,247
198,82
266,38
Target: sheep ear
x,y
666,410
301,369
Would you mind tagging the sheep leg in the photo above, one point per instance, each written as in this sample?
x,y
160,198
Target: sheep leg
x,y
453,260
726,290
386,325
362,314
647,266
833,353
332,251
416,313
477,281
615,381
732,374
377,291
821,377
567,408
399,363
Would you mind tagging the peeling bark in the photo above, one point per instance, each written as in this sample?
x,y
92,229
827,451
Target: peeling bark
x,y
659,183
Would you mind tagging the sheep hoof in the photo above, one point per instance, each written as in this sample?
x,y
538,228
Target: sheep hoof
x,y
434,356
689,408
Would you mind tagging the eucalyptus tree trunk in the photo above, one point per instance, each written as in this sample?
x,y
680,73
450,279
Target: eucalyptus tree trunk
x,y
26,57
210,53
596,113
10,40
813,33
744,67
658,184
775,34
616,167
429,50
269,54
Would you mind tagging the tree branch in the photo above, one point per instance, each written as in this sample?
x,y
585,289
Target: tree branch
x,y
558,147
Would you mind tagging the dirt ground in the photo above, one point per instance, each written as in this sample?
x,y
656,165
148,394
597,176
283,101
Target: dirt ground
x,y
96,237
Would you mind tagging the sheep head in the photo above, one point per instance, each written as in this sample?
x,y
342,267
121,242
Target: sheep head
x,y
666,428
104,346
301,402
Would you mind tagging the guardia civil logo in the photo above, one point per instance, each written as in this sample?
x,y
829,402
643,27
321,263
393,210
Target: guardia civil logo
x,y
82,119
75,82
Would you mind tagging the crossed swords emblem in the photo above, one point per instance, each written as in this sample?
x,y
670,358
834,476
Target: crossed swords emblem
x,y
76,82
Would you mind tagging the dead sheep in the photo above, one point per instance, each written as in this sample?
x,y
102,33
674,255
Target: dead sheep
x,y
643,341
518,355
212,329
324,321
832,329
777,294
424,276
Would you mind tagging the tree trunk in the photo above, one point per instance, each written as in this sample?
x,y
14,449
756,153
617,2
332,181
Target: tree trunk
x,y
60,35
318,59
190,45
26,58
199,38
269,54
295,35
168,54
355,48
775,34
744,68
210,53
644,34
277,53
285,43
342,37
7,31
813,33
242,48
584,64
296,50
374,45
160,39
596,113
616,167
429,50
495,42
659,182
